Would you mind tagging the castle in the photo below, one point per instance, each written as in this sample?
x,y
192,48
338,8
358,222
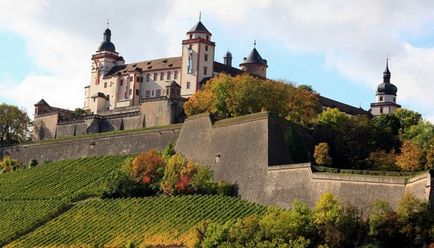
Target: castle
x,y
254,152
152,93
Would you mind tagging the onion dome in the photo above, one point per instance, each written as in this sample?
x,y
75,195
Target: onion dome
x,y
107,45
387,88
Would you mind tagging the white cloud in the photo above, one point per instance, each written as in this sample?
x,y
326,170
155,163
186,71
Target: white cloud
x,y
354,36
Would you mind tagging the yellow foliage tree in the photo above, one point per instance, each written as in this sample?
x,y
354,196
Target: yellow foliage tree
x,y
321,154
409,159
227,96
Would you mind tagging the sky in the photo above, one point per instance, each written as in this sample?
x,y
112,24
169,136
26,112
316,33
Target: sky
x,y
338,47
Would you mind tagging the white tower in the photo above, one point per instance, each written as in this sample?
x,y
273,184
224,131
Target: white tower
x,y
197,59
103,61
386,95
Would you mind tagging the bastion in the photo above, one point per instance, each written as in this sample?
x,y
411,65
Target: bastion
x,y
255,152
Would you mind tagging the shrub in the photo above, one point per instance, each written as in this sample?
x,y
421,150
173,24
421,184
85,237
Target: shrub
x,y
168,151
33,163
119,184
8,164
321,154
148,167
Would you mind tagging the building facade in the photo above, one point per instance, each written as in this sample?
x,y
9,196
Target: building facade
x,y
115,84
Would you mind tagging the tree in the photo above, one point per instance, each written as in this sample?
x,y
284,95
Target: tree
x,y
148,167
227,96
410,157
334,118
381,160
14,125
388,121
407,118
420,133
321,154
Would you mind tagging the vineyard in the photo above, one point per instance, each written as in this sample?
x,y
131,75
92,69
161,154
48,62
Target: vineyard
x,y
142,220
57,205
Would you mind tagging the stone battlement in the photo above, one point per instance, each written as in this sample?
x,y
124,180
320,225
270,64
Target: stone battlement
x,y
252,151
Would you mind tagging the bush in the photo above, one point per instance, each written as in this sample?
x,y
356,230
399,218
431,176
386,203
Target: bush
x,y
8,164
148,168
321,154
33,163
120,184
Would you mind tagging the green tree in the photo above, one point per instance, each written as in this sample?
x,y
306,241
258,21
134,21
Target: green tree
x,y
327,216
384,226
389,122
421,133
334,118
227,96
383,161
407,118
14,125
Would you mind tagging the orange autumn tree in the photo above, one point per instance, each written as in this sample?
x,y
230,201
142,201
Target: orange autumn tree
x,y
410,157
227,96
147,167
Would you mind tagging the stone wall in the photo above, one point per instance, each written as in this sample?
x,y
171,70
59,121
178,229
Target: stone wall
x,y
102,144
250,151
246,151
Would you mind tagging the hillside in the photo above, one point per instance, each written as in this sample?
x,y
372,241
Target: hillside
x,y
57,204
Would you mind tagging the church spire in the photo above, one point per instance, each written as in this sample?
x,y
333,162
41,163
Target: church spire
x,y
386,73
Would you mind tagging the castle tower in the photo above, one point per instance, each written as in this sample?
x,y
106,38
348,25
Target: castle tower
x,y
386,95
227,59
197,59
255,64
103,61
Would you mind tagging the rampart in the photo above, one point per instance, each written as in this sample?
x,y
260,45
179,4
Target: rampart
x,y
256,152
118,142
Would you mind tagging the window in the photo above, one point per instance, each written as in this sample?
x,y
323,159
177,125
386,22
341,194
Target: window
x,y
381,98
175,75
111,84
161,75
207,37
122,82
205,70
147,94
205,57
107,97
105,84
137,92
188,85
394,99
206,48
131,78
381,110
158,93
169,74
152,92
148,77
130,91
155,76
191,36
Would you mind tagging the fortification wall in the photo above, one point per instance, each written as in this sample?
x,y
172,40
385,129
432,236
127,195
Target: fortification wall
x,y
102,144
245,151
253,151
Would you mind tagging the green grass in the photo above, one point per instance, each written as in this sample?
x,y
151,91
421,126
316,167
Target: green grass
x,y
115,222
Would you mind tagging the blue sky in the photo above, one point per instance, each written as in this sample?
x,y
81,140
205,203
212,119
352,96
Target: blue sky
x,y
339,47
